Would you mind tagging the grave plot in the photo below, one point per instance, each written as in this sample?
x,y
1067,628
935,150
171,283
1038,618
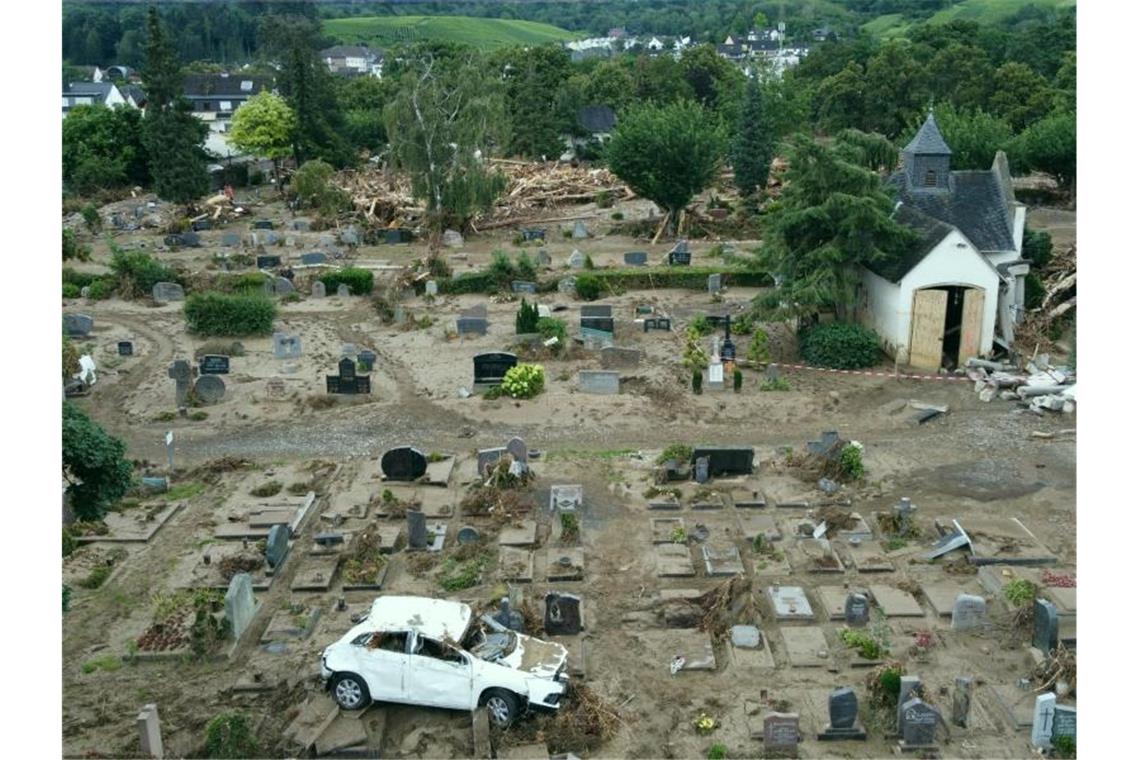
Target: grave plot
x,y
806,646
292,622
895,602
133,525
439,469
521,533
393,500
260,501
436,502
668,530
1011,703
215,565
748,497
756,523
749,648
93,566
864,556
315,573
768,558
516,564
812,555
1052,583
789,603
833,600
721,560
942,594
674,561
352,498
171,634
688,648
1000,541
564,563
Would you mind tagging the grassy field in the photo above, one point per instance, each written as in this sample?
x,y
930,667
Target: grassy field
x,y
890,25
484,33
982,11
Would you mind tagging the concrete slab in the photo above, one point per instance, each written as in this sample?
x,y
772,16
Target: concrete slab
x,y
804,645
289,624
524,752
389,536
834,600
895,602
576,653
439,473
694,645
789,603
753,658
1065,599
866,556
346,731
674,561
722,560
565,563
134,525
678,594
1011,703
435,502
663,529
516,564
522,534
813,555
942,596
315,574
754,522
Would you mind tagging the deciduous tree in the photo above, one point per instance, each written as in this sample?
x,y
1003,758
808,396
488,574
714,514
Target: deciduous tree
x,y
264,126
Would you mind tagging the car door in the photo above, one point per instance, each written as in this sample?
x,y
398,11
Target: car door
x,y
439,675
383,663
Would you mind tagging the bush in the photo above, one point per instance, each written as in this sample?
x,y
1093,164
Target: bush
x,y
851,461
228,736
775,384
589,287
313,185
869,648
840,346
360,280
97,577
718,752
525,267
66,597
1065,747
737,380
617,216
137,272
70,290
678,452
73,249
524,380
549,327
91,217
501,271
697,380
702,325
589,263
101,289
250,282
758,346
1020,592
526,319
220,314
1034,291
98,470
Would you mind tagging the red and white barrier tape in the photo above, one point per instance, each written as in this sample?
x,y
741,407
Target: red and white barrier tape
x,y
863,373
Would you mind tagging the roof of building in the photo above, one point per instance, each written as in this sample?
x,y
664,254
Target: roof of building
x,y
224,85
974,204
597,119
134,92
89,89
731,51
930,232
347,51
929,140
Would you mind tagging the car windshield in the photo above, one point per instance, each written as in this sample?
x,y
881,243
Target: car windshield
x,y
490,646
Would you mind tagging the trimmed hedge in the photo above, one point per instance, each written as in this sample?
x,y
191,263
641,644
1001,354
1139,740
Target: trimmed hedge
x,y
641,278
221,314
360,280
840,346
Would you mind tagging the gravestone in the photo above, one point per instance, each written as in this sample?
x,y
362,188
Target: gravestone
x,y
179,370
516,447
126,348
524,286
78,325
291,241
240,605
202,225
563,616
508,617
349,236
277,545
346,382
745,636
209,389
403,463
568,285
969,613
602,382
577,259
601,310
468,534
597,327
231,240
1044,710
452,239
367,360
302,225
271,238
318,289
856,610
580,232
343,291
1044,626
490,368
657,323
275,387
714,283
286,346
542,258
636,258
904,511
961,701
85,291
268,262
701,469
163,292
614,357
907,684
1064,722
214,364
919,723
471,325
533,233
150,732
781,734
172,241
843,716
417,529
326,241
316,257
431,288
282,287
727,460
263,224
190,239
680,255
487,458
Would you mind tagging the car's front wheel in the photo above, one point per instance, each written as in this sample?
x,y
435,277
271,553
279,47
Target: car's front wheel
x,y
350,691
502,706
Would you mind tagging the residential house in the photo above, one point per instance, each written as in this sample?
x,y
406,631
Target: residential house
x,y
91,93
597,121
353,60
961,289
215,97
134,95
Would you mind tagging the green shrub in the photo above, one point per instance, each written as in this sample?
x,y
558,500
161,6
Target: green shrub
x,y
312,183
589,263
524,380
525,267
1065,747
137,272
78,279
526,318
697,380
97,577
91,217
737,380
360,280
1034,291
617,216
758,346
215,313
66,597
840,346
492,393
1020,592
851,461
229,737
869,648
549,327
501,271
73,249
701,325
678,452
70,290
95,462
717,752
890,685
101,289
589,287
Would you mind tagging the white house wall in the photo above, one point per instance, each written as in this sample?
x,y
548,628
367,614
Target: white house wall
x,y
879,310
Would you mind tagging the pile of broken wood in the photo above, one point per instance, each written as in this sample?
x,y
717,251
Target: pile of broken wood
x,y
1038,386
1059,278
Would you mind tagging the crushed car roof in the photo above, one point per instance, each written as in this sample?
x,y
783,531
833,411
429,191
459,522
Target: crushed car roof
x,y
437,619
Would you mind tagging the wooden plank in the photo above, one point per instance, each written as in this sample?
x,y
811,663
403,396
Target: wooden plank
x,y
971,342
927,326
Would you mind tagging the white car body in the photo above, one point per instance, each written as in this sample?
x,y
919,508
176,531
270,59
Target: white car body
x,y
434,668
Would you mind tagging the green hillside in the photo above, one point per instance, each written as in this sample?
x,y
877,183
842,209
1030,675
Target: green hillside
x,y
990,11
484,33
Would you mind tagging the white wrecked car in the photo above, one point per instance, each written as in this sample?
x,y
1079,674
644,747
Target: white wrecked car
x,y
431,652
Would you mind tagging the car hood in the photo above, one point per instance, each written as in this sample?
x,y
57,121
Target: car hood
x,y
536,657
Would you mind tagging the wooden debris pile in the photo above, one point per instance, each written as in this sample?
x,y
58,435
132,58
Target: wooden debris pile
x,y
1059,277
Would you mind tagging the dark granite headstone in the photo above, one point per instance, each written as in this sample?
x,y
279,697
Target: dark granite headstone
x,y
781,734
919,723
563,614
403,463
126,348
534,233
213,364
277,545
490,368
524,286
471,326
657,323
856,611
190,239
843,708
78,325
268,262
961,701
162,292
202,225
598,324
726,460
417,529
346,381
313,258
172,241
1044,626
636,258
263,224
468,534
597,310
209,389
1064,722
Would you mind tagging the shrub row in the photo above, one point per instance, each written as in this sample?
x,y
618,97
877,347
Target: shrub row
x,y
642,278
222,314
360,280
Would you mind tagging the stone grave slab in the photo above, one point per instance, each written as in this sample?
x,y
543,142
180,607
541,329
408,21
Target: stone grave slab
x,y
674,561
135,525
289,624
664,505
745,498
435,502
804,644
664,529
516,564
315,574
267,518
603,382
834,600
523,534
565,563
941,596
895,602
789,603
722,560
756,523
1014,705
1064,598
1003,541
439,473
693,645
866,556
771,564
758,657
566,498
813,555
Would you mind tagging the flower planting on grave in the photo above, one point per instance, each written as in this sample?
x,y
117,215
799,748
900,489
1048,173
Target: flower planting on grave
x,y
570,528
364,561
851,461
185,618
705,724
465,568
1020,592
524,380
868,646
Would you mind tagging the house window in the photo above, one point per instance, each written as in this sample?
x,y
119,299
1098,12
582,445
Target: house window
x,y
246,85
205,105
226,106
931,178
